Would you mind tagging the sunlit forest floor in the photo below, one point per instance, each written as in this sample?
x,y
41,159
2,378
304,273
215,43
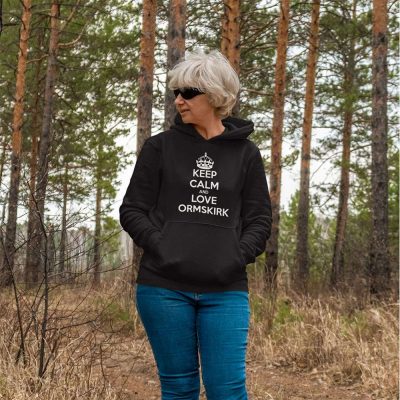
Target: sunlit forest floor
x,y
95,347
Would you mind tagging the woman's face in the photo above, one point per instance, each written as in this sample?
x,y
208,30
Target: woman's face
x,y
195,110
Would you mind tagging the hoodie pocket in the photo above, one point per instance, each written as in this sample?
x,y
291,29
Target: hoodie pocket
x,y
199,253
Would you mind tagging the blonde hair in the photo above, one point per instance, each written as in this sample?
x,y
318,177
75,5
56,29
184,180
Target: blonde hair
x,y
212,74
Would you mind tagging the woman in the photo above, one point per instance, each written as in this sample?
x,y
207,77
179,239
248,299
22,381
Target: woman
x,y
198,204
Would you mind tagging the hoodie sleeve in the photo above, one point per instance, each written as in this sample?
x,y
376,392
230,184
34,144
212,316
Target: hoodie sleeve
x,y
256,210
141,196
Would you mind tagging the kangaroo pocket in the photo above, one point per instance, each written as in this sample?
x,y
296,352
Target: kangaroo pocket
x,y
199,253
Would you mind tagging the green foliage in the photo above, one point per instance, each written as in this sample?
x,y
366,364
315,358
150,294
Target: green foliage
x,y
359,224
257,307
280,311
97,90
320,243
9,46
356,323
344,85
116,316
285,314
111,244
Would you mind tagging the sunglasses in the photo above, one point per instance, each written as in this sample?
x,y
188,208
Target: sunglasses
x,y
187,93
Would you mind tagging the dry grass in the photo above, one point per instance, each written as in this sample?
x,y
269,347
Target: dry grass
x,y
83,327
332,337
346,345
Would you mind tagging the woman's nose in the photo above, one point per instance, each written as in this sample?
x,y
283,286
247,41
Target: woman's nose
x,y
179,99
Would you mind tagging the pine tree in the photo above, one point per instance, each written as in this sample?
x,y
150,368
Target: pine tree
x,y
37,237
276,147
302,223
175,53
379,257
230,39
7,266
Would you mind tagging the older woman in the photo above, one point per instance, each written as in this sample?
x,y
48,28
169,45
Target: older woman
x,y
198,204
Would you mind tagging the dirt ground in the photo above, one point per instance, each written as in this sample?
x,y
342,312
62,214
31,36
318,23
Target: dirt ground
x,y
132,370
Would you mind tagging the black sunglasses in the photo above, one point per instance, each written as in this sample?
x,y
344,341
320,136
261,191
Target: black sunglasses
x,y
187,93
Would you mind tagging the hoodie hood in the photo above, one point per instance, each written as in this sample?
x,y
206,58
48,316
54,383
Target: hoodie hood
x,y
235,128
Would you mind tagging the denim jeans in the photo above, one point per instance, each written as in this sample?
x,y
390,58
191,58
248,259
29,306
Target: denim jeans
x,y
182,325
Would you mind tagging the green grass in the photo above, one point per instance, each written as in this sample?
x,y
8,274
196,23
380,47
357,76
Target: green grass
x,y
117,316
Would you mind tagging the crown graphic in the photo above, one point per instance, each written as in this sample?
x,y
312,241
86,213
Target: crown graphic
x,y
204,162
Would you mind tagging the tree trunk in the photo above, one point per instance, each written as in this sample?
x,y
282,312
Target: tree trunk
x,y
13,195
97,233
3,212
379,257
2,162
34,154
276,146
145,95
337,273
37,245
63,224
230,41
176,52
81,264
3,157
303,210
51,251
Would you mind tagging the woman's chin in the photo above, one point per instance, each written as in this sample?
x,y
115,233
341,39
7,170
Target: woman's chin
x,y
185,117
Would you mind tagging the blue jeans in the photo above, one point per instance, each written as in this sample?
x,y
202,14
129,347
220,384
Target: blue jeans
x,y
181,325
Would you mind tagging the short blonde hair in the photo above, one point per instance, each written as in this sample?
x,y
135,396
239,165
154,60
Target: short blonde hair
x,y
212,74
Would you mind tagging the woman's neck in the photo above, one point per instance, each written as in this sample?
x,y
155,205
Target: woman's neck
x,y
210,128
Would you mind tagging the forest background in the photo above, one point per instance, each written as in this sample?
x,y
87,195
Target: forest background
x,y
88,87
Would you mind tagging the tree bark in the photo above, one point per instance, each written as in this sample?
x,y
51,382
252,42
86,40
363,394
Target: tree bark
x,y
176,52
16,145
379,258
3,157
230,39
63,239
276,146
97,233
337,273
51,250
303,208
2,162
34,155
37,245
145,95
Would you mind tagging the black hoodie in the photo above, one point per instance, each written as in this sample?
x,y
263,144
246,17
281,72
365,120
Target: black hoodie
x,y
199,208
